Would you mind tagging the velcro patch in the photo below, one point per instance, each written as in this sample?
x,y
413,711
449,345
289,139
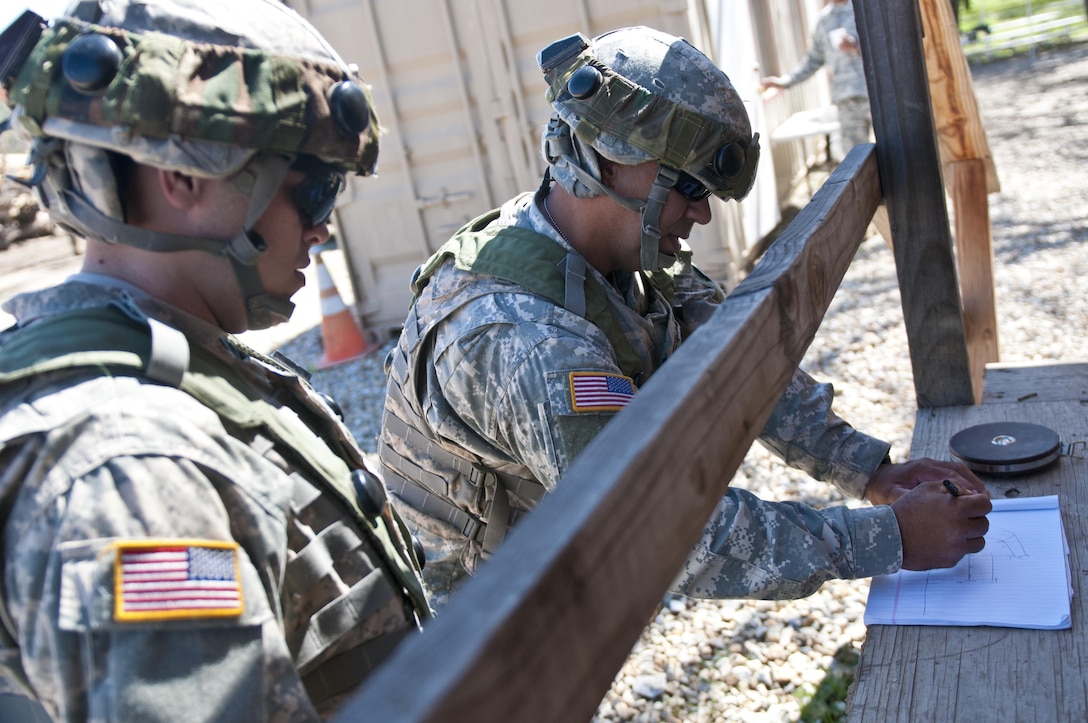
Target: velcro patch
x,y
176,579
600,391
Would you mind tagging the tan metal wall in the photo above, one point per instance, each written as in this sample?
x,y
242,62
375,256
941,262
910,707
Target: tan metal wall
x,y
462,101
785,29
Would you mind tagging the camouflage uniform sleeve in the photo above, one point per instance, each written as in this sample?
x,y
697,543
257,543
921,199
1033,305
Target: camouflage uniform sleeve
x,y
815,57
140,469
805,432
782,550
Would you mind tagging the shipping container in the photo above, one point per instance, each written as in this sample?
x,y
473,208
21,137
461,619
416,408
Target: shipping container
x,y
461,101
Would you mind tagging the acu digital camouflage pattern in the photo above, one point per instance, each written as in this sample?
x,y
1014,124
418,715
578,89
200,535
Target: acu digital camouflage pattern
x,y
661,99
855,122
93,459
491,364
846,68
250,85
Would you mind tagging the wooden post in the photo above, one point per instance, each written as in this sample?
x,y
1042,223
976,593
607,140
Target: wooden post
x,y
970,173
960,133
967,183
914,192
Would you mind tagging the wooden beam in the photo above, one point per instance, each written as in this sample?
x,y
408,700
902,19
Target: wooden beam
x,y
960,133
540,632
910,172
970,174
974,254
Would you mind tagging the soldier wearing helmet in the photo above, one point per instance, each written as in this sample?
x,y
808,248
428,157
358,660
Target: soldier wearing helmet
x,y
186,521
833,44
537,322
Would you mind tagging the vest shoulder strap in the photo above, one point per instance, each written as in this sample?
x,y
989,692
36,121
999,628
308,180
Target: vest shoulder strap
x,y
542,265
104,336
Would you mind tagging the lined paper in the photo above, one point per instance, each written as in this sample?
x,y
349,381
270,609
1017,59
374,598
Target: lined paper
x,y
1021,579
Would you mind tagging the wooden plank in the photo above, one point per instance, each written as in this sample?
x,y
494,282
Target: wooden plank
x,y
974,254
541,631
960,674
960,132
1007,383
910,173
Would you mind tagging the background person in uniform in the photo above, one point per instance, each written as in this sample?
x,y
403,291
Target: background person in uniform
x,y
834,44
188,530
538,321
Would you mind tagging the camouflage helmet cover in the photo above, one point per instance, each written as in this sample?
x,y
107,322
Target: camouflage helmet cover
x,y
638,94
195,86
236,89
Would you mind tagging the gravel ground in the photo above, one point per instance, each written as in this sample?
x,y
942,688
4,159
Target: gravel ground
x,y
702,661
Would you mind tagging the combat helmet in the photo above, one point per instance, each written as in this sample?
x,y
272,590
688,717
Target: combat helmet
x,y
635,95
238,89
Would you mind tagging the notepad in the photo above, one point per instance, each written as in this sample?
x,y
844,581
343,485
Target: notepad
x,y
1019,580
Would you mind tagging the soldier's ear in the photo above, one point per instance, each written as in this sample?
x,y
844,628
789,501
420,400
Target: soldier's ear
x,y
181,190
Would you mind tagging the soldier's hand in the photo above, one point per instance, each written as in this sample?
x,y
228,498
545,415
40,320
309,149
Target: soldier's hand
x,y
938,528
849,44
892,481
770,87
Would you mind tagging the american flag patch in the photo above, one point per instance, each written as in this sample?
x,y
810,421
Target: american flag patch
x,y
168,580
599,392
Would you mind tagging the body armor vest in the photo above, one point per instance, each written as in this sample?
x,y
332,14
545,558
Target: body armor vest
x,y
542,266
319,455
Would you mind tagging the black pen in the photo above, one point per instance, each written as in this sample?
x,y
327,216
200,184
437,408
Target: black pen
x,y
952,489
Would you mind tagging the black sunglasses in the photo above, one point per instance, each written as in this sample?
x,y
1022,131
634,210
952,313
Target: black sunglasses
x,y
690,187
316,196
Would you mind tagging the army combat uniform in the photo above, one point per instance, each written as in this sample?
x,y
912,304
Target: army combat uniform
x,y
848,90
506,370
182,535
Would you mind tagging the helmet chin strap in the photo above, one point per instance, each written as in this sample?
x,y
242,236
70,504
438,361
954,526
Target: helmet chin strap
x,y
559,146
650,256
267,172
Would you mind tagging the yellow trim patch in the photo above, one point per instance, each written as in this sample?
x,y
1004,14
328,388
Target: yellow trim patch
x,y
176,580
600,391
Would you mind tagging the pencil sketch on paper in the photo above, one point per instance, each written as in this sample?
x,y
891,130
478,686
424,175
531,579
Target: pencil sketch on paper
x,y
979,568
1007,540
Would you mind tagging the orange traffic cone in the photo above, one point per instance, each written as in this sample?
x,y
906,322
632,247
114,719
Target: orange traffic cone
x,y
341,335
